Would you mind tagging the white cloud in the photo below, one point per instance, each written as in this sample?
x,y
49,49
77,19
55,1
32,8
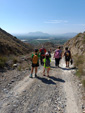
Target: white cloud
x,y
56,21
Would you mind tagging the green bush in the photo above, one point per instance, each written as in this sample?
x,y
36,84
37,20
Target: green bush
x,y
15,60
2,62
19,68
83,82
78,35
78,73
84,40
79,60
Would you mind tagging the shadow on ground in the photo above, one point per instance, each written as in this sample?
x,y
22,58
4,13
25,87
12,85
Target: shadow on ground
x,y
73,68
46,81
56,79
53,66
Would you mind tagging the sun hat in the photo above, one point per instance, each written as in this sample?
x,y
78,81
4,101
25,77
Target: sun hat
x,y
47,54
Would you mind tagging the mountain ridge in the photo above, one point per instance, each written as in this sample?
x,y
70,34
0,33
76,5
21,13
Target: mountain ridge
x,y
39,34
11,45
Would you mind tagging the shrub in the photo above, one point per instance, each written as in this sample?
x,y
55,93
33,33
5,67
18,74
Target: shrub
x,y
83,82
15,60
79,60
78,73
78,35
19,68
2,62
84,40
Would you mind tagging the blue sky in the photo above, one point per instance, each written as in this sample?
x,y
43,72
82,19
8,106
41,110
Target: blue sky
x,y
48,16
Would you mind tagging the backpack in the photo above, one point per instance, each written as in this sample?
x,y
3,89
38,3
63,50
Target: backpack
x,y
47,63
57,54
67,54
49,54
42,51
35,59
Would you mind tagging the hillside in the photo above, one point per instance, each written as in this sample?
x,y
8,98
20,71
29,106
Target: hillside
x,y
11,45
77,44
77,47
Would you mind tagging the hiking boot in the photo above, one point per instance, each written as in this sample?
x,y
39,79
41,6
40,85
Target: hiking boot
x,y
44,75
47,75
58,65
35,75
30,76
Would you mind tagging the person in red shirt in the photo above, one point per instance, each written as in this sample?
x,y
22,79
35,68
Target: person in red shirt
x,y
42,55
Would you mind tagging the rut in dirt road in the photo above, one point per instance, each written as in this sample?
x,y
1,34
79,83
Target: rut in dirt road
x,y
56,94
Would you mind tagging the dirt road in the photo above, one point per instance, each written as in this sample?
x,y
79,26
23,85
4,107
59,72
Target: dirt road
x,y
59,93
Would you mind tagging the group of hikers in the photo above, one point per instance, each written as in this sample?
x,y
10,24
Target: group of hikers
x,y
45,59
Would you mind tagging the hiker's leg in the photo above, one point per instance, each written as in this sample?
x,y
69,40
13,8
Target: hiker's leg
x,y
47,71
58,62
68,64
55,62
43,71
36,70
41,60
32,70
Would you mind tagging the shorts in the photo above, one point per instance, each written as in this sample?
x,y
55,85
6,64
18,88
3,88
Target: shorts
x,y
35,65
67,59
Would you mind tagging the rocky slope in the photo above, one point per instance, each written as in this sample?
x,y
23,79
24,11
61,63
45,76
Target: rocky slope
x,y
77,47
77,44
11,45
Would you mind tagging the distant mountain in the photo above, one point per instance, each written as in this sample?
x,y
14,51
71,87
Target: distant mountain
x,y
70,35
41,34
32,35
48,35
11,45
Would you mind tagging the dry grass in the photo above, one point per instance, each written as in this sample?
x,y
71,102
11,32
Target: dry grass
x,y
83,82
84,40
78,60
80,64
2,62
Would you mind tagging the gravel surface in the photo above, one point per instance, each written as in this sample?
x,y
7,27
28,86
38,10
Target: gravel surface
x,y
59,93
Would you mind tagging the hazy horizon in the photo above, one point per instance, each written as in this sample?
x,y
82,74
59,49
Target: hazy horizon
x,y
47,33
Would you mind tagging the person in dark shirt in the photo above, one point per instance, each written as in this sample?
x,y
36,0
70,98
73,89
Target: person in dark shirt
x,y
67,55
42,54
